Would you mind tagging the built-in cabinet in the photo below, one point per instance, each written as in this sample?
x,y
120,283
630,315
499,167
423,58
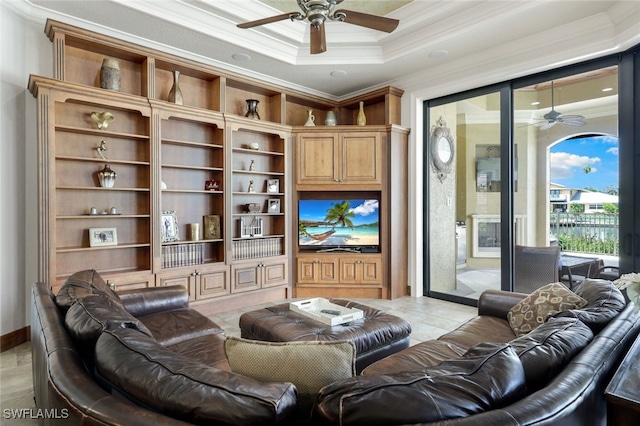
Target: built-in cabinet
x,y
349,162
339,157
199,164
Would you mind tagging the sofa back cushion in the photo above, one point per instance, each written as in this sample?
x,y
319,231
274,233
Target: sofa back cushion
x,y
604,302
82,284
487,377
534,309
545,351
151,375
88,317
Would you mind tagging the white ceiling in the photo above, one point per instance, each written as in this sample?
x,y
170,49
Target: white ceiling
x,y
473,33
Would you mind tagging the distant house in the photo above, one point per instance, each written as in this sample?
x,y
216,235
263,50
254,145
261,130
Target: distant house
x,y
560,197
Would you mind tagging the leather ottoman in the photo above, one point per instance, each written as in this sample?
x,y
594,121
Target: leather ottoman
x,y
375,336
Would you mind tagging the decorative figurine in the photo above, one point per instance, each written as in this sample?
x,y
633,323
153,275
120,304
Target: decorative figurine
x,y
252,166
250,189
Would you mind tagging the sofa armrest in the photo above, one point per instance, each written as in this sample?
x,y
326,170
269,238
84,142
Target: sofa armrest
x,y
496,303
146,301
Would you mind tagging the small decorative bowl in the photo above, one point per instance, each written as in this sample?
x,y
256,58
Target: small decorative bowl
x,y
253,207
253,145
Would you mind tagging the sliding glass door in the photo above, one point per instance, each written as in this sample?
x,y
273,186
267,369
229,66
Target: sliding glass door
x,y
544,160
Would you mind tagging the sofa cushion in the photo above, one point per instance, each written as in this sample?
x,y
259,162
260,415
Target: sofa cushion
x,y
416,357
82,284
604,302
136,366
534,309
487,377
173,327
308,365
88,317
480,329
546,350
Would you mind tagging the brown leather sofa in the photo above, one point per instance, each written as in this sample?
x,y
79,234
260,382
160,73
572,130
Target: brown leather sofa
x,y
482,374
140,357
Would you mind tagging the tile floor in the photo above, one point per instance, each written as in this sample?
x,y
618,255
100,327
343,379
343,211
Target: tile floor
x,y
429,318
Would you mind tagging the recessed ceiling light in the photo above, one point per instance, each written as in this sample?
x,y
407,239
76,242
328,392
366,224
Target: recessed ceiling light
x,y
241,57
607,89
535,103
438,54
338,73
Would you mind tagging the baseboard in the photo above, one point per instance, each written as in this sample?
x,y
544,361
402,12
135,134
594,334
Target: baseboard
x,y
15,338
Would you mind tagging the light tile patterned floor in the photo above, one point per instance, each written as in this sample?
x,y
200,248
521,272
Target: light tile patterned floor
x,y
429,318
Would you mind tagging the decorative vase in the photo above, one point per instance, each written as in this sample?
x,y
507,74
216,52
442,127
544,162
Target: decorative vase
x,y
175,94
362,119
311,120
107,177
252,109
331,119
110,74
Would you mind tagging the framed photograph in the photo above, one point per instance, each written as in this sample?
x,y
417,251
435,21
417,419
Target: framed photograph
x,y
212,230
99,237
169,226
273,186
273,205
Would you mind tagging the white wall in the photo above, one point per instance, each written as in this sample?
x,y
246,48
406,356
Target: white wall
x,y
25,50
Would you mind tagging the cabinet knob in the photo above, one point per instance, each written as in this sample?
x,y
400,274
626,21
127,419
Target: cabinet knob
x,y
198,273
193,274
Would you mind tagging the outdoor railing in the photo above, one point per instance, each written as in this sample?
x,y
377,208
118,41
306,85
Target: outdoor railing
x,y
596,233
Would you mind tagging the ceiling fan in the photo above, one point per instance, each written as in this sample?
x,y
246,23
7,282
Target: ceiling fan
x,y
318,11
553,117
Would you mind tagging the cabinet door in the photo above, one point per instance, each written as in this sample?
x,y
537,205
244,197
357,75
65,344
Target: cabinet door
x,y
187,279
361,158
245,278
317,158
315,270
274,274
213,283
360,270
130,281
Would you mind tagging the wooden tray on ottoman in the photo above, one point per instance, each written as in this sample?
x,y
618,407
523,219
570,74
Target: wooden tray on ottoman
x,y
326,312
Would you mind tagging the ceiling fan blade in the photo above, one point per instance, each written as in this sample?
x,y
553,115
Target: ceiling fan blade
x,y
548,125
375,22
573,123
264,21
318,39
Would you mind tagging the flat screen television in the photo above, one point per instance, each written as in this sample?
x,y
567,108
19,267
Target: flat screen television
x,y
339,224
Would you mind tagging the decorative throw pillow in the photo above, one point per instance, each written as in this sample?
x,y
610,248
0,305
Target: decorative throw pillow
x,y
534,309
308,365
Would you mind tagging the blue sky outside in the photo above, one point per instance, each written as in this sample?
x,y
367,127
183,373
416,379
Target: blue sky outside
x,y
570,157
366,211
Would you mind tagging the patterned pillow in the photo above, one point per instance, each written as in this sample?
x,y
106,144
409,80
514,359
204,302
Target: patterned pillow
x,y
308,365
534,309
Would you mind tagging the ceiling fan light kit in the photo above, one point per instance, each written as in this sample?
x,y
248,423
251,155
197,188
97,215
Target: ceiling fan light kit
x,y
318,11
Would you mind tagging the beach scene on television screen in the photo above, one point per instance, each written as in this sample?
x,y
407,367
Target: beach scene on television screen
x,y
338,222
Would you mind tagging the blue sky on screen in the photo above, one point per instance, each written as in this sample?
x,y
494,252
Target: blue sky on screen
x,y
569,158
366,210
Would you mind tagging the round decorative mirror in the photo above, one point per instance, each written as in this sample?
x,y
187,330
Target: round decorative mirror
x,y
442,149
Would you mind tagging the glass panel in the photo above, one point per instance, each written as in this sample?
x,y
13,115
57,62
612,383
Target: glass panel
x,y
464,203
566,138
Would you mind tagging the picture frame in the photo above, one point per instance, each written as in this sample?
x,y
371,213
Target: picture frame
x,y
101,237
273,186
169,226
273,205
212,229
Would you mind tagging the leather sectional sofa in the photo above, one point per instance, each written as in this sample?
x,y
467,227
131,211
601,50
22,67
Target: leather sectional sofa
x,y
140,357
143,357
484,374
